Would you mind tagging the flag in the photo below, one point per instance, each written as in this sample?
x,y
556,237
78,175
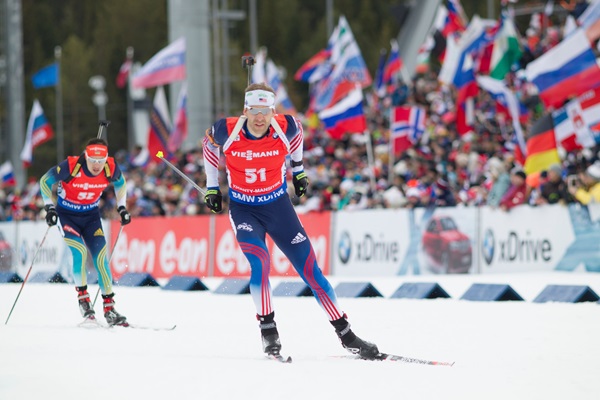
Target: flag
x,y
38,131
168,65
503,95
574,123
541,146
456,19
283,103
347,116
46,77
180,127
123,74
160,124
506,51
315,67
379,85
407,124
7,175
568,69
348,69
393,65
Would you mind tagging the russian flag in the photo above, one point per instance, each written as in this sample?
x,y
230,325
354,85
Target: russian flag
x,y
166,66
346,116
38,131
316,62
7,174
160,124
568,69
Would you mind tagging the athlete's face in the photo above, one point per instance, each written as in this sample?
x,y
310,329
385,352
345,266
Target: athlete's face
x,y
259,119
95,165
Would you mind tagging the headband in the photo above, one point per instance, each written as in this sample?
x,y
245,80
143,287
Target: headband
x,y
96,151
259,98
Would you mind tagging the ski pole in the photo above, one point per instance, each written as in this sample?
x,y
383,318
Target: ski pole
x,y
109,260
27,276
181,174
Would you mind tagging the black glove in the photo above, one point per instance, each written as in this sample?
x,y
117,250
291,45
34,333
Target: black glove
x,y
300,184
125,216
213,199
51,215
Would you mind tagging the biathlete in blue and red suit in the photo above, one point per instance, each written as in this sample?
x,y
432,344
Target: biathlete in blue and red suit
x,y
81,181
255,147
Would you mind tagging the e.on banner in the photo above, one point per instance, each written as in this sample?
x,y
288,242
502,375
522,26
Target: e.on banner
x,y
162,247
231,262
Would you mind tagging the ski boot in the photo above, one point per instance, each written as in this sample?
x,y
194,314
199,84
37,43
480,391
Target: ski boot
x,y
111,315
270,336
353,343
85,305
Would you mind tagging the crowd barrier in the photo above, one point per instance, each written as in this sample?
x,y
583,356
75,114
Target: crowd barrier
x,y
369,243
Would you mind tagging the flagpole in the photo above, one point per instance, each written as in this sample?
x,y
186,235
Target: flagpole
x,y
130,134
367,137
60,146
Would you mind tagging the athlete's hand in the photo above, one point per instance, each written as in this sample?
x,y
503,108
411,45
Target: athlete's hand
x,y
51,215
214,200
125,216
300,184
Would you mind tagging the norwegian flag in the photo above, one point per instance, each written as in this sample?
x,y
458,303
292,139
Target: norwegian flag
x,y
407,127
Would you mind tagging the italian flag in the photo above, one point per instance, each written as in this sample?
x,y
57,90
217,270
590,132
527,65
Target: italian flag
x,y
507,50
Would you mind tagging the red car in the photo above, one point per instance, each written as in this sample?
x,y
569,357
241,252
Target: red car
x,y
447,249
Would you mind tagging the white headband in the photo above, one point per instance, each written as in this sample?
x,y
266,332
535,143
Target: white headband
x,y
259,98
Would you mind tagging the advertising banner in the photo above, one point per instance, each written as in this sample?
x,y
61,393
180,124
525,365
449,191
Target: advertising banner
x,y
162,247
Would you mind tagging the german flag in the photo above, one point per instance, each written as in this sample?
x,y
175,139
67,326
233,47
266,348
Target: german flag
x,y
541,146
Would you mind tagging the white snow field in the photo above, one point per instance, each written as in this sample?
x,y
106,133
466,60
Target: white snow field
x,y
501,350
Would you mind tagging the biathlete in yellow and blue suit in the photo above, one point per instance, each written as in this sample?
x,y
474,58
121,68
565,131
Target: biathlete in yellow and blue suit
x,y
81,181
255,147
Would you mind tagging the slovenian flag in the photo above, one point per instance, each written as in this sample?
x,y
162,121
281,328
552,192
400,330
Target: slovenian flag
x,y
38,131
168,65
566,70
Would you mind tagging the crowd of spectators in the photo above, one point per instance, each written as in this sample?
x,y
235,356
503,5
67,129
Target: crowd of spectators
x,y
443,169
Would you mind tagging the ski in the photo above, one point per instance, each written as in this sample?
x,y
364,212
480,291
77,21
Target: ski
x,y
94,323
411,360
280,358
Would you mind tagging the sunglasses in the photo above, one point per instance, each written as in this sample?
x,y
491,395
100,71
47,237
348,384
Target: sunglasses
x,y
97,160
256,111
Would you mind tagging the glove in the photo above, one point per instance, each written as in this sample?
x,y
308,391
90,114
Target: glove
x,y
51,215
213,200
125,216
300,184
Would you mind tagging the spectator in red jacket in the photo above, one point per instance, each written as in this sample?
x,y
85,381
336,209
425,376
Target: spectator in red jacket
x,y
516,193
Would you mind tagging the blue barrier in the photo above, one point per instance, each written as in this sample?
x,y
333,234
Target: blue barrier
x,y
566,294
233,286
185,283
10,277
491,292
137,279
47,277
420,290
356,289
296,289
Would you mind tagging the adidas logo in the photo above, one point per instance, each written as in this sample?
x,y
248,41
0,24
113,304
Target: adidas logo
x,y
299,238
99,232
